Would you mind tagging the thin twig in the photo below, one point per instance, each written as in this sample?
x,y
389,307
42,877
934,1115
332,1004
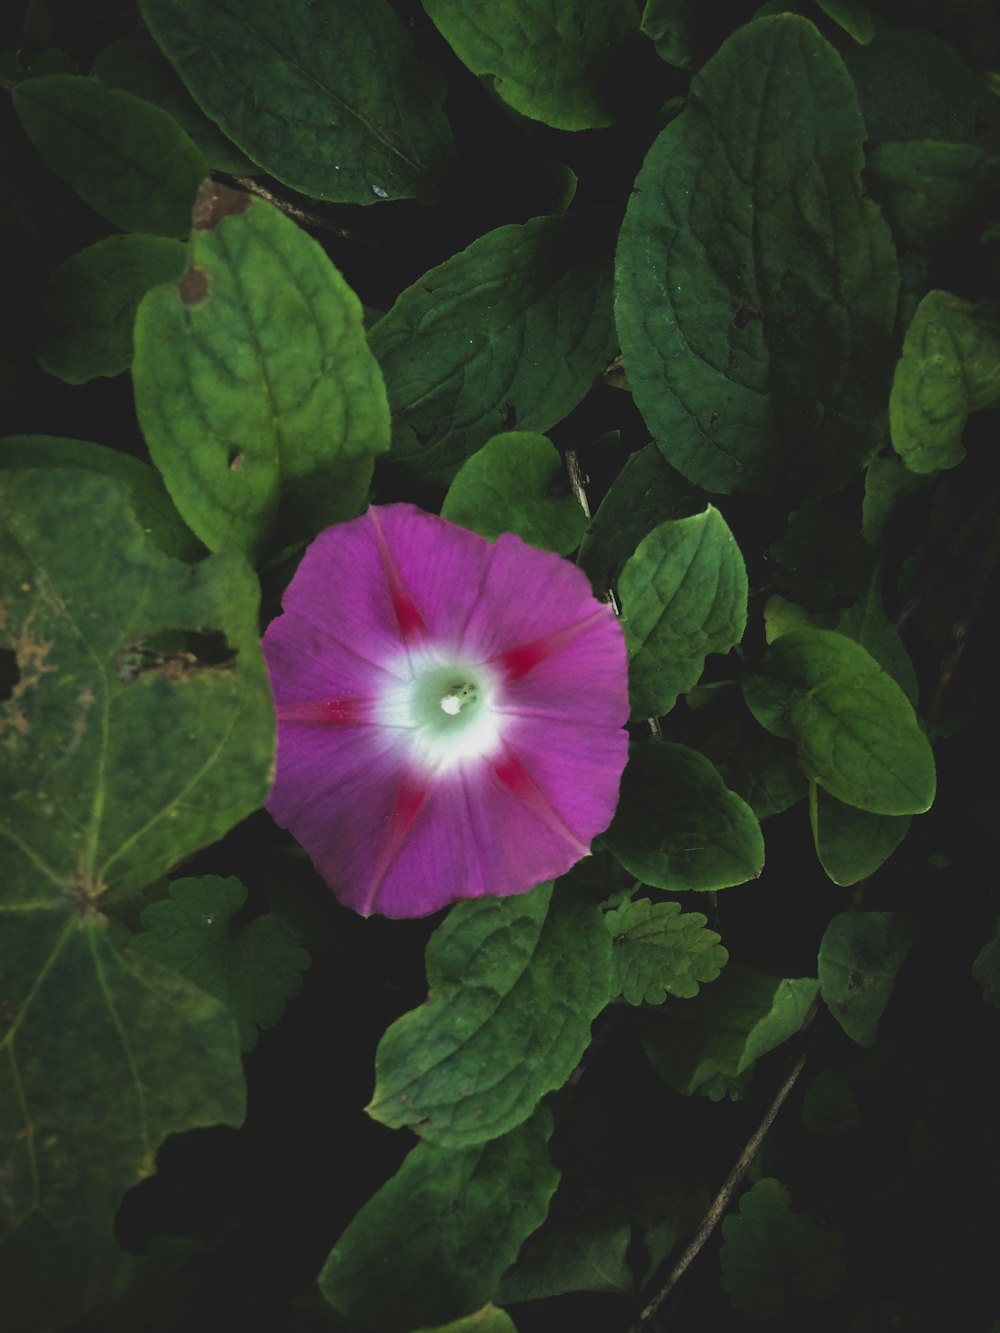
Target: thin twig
x,y
304,215
576,482
732,1182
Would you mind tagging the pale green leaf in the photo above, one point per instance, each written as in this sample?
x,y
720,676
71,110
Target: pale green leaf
x,y
859,956
660,951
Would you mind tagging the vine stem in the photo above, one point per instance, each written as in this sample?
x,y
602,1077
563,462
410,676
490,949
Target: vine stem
x,y
729,1186
307,216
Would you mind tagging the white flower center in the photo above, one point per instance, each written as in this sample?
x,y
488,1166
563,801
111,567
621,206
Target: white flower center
x,y
444,710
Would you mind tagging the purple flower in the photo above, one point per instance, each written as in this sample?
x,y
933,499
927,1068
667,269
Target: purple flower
x,y
450,712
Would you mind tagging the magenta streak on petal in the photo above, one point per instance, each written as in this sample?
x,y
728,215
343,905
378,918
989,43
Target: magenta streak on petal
x,y
411,623
512,773
517,662
409,800
326,712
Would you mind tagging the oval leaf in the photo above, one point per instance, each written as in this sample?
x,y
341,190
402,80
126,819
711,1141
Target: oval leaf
x,y
852,844
859,956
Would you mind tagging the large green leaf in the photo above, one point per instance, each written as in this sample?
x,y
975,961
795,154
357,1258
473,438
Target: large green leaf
x,y
683,595
545,60
756,285
855,729
660,951
859,956
474,1060
258,397
453,347
851,844
253,969
925,186
119,755
706,1043
432,1243
867,623
91,301
678,827
589,1254
512,484
950,367
124,157
329,98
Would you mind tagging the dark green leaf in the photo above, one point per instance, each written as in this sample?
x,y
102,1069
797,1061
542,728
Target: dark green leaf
x,y
255,389
756,285
853,16
767,1248
705,1043
950,367
124,157
829,1106
589,1255
330,99
149,500
851,844
512,484
487,1320
474,1060
668,24
445,1227
660,951
91,301
986,969
254,970
544,60
925,186
452,348
855,730
683,595
761,769
678,827
888,485
866,623
859,956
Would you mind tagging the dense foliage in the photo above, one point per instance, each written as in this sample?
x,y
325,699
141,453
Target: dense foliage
x,y
703,297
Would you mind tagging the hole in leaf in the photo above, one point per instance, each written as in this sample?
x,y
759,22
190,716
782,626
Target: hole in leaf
x,y
177,654
235,460
10,673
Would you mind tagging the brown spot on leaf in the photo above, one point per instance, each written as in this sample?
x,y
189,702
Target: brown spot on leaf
x,y
214,202
193,287
714,417
175,655
84,890
748,311
235,460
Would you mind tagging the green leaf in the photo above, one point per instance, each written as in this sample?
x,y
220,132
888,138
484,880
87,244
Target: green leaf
x,y
104,1056
851,844
452,346
254,970
124,157
255,389
474,1060
986,969
866,623
762,770
950,367
855,730
660,951
91,301
853,16
487,1320
645,493
141,727
678,827
767,1248
512,484
589,1255
446,1226
330,99
859,956
545,61
759,352
888,485
669,26
704,1044
148,498
782,617
683,595
925,186
135,65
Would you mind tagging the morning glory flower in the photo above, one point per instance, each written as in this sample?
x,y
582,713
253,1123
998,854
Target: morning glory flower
x,y
450,712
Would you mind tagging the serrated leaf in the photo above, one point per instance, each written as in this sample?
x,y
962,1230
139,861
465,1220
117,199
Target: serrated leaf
x,y
452,346
330,99
986,969
589,1255
678,827
135,65
448,1224
866,623
148,498
760,352
950,367
859,956
258,397
474,1060
124,157
851,844
512,484
487,1320
544,61
91,300
660,951
925,186
767,1248
854,729
253,970
719,1035
683,595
